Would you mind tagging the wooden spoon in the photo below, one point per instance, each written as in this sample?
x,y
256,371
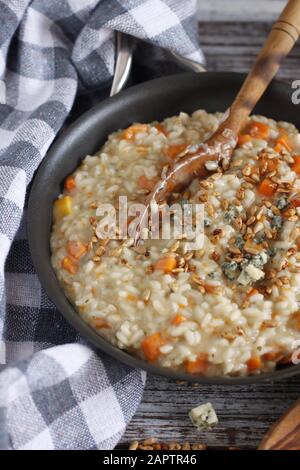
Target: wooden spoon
x,y
193,162
285,433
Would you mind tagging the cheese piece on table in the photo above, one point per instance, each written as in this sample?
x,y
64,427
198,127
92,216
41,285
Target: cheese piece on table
x,y
204,416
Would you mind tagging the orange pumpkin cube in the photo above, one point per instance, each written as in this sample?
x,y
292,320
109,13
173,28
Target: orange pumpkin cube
x,y
70,183
146,183
161,128
243,139
178,319
199,366
283,142
296,165
267,187
76,249
69,265
165,264
131,131
254,363
173,150
151,346
100,323
259,130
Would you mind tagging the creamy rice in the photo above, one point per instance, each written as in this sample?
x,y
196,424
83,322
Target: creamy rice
x,y
230,308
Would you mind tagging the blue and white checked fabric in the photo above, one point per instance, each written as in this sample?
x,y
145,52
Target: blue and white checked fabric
x,y
55,391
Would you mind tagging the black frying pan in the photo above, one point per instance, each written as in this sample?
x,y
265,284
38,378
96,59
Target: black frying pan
x,y
153,100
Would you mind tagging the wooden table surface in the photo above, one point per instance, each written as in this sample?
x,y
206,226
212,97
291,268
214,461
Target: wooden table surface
x,y
245,412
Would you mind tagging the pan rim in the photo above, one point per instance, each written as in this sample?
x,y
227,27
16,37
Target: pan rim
x,y
56,293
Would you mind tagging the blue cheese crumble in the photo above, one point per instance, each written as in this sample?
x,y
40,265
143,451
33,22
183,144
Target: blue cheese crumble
x,y
204,416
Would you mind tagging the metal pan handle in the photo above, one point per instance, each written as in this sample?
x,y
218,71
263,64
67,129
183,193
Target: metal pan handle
x,y
124,51
188,64
124,46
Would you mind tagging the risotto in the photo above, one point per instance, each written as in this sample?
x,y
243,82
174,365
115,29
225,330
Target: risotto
x,y
227,308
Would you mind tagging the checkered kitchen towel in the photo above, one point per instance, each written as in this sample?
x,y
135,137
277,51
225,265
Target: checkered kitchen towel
x,y
56,392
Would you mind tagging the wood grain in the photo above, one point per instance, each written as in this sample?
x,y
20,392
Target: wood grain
x,y
239,10
285,433
245,412
231,46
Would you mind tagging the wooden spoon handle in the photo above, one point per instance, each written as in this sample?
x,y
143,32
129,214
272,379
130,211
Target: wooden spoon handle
x,y
285,433
284,34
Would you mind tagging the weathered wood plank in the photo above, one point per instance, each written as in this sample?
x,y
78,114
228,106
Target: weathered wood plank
x,y
245,412
233,46
239,10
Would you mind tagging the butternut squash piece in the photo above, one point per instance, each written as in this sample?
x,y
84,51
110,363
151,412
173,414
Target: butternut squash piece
x,y
151,346
254,363
76,249
166,264
62,207
199,366
69,265
70,183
